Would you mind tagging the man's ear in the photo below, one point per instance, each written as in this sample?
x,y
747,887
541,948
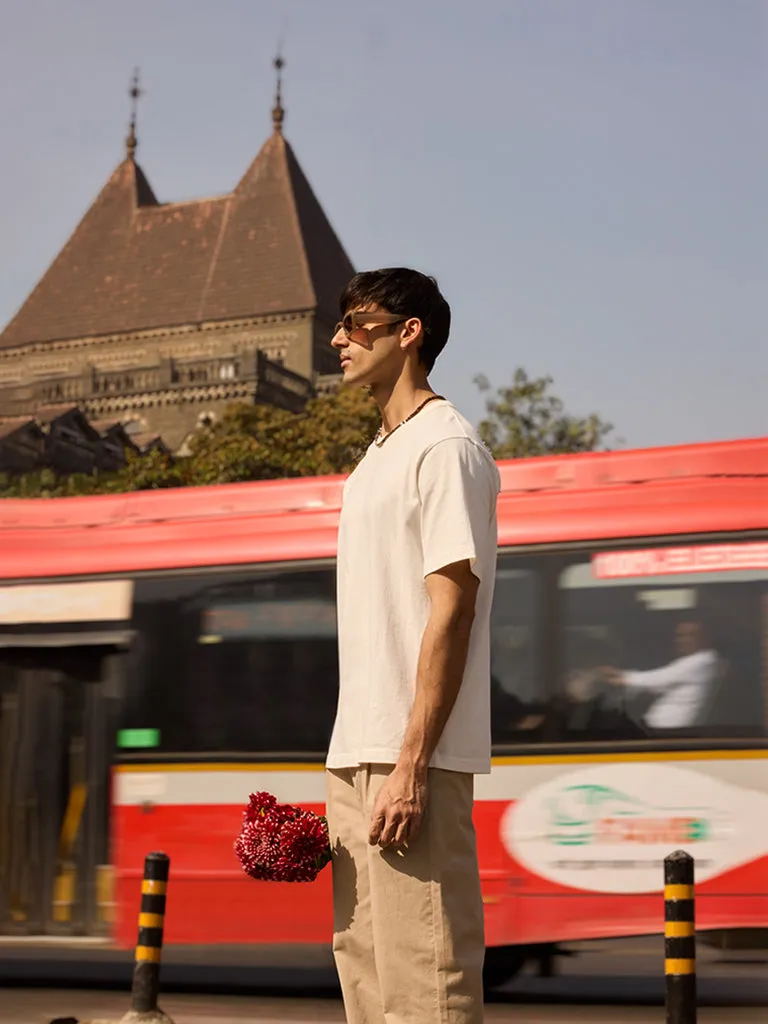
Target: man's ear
x,y
412,333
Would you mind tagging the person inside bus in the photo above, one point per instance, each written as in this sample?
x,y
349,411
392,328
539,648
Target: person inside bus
x,y
680,689
587,705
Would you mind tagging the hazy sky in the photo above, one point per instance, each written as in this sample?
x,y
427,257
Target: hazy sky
x,y
588,179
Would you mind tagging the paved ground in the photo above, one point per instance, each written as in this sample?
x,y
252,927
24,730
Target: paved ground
x,y
40,1006
609,983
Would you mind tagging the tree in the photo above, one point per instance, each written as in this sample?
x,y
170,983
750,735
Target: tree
x,y
44,483
261,442
150,472
249,442
525,419
141,473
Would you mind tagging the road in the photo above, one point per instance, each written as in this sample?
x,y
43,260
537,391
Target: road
x,y
608,983
39,1006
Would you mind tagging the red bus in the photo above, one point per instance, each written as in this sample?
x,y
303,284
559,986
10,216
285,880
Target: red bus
x,y
164,654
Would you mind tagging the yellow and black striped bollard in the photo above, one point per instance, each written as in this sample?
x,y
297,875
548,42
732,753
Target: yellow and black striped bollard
x,y
679,938
146,973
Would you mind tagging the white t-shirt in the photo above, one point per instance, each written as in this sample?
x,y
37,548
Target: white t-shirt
x,y
683,686
425,499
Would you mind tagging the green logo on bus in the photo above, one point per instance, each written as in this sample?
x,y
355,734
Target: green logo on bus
x,y
591,814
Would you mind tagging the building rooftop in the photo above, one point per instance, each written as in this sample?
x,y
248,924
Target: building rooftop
x,y
135,264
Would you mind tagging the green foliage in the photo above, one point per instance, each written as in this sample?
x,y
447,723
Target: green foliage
x,y
248,443
44,483
141,473
525,419
264,443
149,472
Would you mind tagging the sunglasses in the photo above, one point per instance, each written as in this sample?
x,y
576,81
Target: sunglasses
x,y
354,323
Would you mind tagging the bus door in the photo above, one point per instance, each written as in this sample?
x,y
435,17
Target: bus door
x,y
57,722
63,649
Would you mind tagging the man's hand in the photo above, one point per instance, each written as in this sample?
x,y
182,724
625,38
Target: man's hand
x,y
612,676
399,808
580,685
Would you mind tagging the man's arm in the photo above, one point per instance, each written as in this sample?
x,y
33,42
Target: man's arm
x,y
648,679
402,799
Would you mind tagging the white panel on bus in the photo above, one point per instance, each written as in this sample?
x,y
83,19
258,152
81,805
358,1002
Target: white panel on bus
x,y
100,601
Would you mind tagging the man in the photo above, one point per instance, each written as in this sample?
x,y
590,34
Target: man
x,y
681,687
416,569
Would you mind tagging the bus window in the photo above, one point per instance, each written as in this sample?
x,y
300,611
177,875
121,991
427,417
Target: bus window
x,y
238,664
519,701
673,655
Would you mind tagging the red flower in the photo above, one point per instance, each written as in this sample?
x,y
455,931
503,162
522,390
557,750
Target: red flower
x,y
280,842
259,805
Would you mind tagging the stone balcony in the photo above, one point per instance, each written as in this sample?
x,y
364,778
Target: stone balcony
x,y
247,376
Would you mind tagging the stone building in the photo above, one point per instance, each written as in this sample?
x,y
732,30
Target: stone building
x,y
63,439
158,315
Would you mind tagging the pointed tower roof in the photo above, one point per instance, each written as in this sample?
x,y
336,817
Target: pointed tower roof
x,y
136,264
277,249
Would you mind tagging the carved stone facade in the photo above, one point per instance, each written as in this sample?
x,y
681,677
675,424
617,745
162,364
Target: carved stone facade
x,y
171,382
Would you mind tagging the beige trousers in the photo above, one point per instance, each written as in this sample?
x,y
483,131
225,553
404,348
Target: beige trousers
x,y
408,927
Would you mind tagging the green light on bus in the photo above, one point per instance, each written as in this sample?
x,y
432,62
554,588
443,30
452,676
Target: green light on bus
x,y
136,738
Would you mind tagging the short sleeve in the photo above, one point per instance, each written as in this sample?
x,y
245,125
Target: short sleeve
x,y
458,488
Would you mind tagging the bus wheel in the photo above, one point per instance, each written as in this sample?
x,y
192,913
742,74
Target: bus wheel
x,y
501,965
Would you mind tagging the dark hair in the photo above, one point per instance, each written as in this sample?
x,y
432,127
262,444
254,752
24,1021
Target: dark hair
x,y
400,290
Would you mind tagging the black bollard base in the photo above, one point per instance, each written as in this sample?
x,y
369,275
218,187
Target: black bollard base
x,y
153,1017
146,986
681,999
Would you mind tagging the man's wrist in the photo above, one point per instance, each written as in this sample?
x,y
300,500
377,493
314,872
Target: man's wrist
x,y
413,764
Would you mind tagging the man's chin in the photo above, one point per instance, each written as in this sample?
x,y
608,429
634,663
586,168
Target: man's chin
x,y
353,377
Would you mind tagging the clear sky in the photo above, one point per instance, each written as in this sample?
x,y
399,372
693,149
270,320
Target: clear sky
x,y
588,179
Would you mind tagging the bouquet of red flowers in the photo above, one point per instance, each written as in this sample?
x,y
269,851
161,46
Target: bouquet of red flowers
x,y
280,842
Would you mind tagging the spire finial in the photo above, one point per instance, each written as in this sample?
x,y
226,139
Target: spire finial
x,y
278,113
135,91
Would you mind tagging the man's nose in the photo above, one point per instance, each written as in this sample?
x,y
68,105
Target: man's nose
x,y
339,340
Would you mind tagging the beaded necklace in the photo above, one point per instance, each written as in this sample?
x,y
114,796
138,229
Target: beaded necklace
x,y
381,437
